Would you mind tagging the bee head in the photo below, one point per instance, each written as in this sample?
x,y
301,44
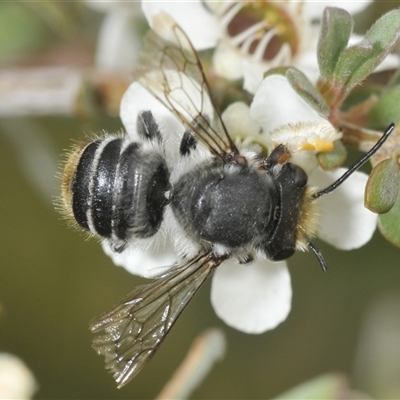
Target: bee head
x,y
295,212
296,219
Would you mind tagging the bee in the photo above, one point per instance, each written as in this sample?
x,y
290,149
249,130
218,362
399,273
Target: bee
x,y
233,204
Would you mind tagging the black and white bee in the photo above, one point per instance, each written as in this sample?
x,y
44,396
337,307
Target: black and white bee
x,y
231,204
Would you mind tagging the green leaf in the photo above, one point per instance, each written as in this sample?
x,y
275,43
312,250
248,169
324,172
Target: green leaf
x,y
350,67
385,32
383,186
307,91
333,159
387,108
303,87
336,28
389,224
360,60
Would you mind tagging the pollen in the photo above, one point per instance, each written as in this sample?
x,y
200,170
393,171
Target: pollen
x,y
318,145
317,135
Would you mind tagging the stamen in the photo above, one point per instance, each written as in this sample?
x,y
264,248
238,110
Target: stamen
x,y
263,30
284,56
264,42
241,37
227,18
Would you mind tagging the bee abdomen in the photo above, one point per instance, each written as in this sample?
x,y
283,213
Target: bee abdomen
x,y
79,189
140,193
102,188
117,189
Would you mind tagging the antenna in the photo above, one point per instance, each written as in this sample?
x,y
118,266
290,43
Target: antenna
x,y
319,255
356,165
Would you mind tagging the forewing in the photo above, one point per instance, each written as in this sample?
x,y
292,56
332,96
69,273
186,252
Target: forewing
x,y
172,72
135,328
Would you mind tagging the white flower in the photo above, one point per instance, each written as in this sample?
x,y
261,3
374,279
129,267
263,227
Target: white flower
x,y
16,380
265,294
118,42
344,223
252,36
239,293
253,297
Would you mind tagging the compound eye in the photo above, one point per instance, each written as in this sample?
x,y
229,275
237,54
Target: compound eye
x,y
284,253
298,175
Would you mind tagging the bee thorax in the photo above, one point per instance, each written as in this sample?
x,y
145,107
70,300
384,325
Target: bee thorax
x,y
222,205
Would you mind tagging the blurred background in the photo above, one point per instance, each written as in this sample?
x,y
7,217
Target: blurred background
x,y
53,281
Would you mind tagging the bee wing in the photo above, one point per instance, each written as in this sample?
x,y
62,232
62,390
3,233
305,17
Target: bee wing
x,y
172,72
135,328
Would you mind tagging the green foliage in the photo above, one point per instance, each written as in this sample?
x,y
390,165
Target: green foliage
x,y
307,91
383,186
360,60
382,195
333,159
304,88
387,108
336,28
343,68
389,224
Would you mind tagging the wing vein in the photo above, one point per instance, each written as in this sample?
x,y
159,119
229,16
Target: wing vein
x,y
172,72
136,327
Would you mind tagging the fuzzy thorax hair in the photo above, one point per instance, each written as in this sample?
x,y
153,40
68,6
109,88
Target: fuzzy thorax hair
x,y
308,219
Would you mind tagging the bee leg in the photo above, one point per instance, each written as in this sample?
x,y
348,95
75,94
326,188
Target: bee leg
x,y
147,126
247,259
188,143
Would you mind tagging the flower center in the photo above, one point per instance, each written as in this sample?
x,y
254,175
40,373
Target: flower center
x,y
261,29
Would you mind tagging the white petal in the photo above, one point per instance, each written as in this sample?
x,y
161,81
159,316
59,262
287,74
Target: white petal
x,y
308,64
227,61
345,223
241,127
252,298
355,38
253,73
16,380
146,263
314,9
276,103
137,99
306,160
198,23
118,44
